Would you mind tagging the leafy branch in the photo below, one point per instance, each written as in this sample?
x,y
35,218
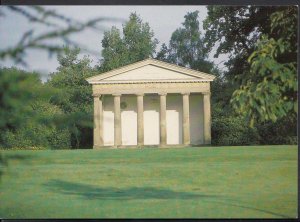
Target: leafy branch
x,y
62,28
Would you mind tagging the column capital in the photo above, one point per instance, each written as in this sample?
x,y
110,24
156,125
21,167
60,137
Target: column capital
x,y
162,94
116,94
139,94
185,93
206,93
96,95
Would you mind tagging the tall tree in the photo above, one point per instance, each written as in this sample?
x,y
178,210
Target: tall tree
x,y
75,98
186,46
269,92
234,31
137,43
251,37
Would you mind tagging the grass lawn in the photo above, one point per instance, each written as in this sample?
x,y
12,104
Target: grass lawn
x,y
206,182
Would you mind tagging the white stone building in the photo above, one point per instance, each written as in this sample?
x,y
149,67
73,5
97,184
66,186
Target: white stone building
x,y
151,103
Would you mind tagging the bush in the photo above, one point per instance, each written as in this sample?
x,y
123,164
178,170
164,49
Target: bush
x,y
233,131
38,132
284,131
33,136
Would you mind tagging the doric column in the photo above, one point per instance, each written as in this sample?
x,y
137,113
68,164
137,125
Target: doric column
x,y
207,118
140,119
162,119
98,116
117,120
186,118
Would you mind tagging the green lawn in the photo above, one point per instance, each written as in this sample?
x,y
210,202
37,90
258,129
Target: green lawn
x,y
206,182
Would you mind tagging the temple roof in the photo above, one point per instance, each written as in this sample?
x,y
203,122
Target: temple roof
x,y
150,70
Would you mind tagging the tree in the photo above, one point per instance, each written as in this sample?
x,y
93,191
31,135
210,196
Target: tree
x,y
242,32
137,43
235,31
18,89
114,52
26,116
75,97
186,46
162,55
270,90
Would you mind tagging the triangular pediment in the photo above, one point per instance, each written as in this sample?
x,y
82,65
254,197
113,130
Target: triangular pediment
x,y
150,70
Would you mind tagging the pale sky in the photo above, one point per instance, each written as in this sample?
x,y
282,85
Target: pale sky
x,y
163,20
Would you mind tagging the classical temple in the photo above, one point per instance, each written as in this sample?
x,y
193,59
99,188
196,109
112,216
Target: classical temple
x,y
151,103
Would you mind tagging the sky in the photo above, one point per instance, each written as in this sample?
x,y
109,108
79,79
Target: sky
x,y
163,20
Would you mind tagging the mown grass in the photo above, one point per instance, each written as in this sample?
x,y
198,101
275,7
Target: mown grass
x,y
206,182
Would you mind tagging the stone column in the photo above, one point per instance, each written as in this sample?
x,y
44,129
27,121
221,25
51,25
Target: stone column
x,y
207,118
117,121
98,116
140,119
186,118
162,119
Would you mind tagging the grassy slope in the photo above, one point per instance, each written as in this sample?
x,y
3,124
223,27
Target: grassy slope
x,y
224,182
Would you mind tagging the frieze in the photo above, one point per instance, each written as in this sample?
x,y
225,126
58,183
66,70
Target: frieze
x,y
151,88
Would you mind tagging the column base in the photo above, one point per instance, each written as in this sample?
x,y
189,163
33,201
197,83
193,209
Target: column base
x,y
207,143
150,146
98,147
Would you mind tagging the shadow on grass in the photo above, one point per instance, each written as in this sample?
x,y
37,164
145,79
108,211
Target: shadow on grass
x,y
93,192
251,208
7,158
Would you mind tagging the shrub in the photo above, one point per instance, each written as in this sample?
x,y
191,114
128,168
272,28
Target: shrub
x,y
233,131
33,136
37,131
284,131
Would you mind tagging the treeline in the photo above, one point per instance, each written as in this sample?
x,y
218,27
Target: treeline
x,y
253,102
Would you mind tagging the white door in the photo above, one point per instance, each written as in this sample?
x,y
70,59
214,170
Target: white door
x,y
151,119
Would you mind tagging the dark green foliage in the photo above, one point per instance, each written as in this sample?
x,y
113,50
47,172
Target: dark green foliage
x,y
16,91
228,129
26,114
270,90
262,49
235,30
38,135
284,131
137,43
75,97
22,121
186,46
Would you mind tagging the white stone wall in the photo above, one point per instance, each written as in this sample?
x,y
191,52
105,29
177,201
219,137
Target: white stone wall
x,y
151,119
